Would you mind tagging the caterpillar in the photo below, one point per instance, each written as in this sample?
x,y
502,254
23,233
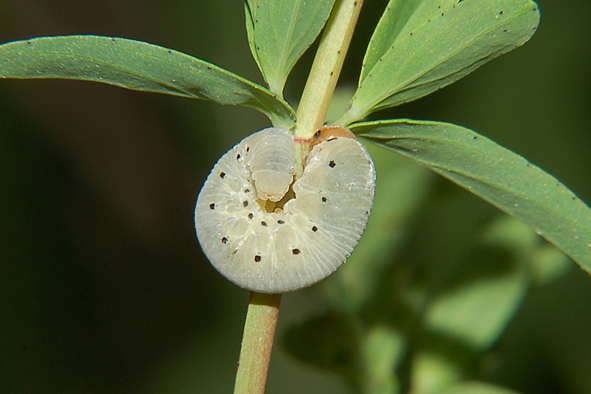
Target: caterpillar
x,y
269,234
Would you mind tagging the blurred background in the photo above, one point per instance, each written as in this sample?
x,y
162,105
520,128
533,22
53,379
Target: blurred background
x,y
103,286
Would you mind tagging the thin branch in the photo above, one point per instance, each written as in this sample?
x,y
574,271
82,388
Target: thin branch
x,y
327,66
263,309
257,342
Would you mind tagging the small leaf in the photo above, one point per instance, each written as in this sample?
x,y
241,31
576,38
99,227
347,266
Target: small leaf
x,y
280,31
139,66
421,46
496,174
478,301
432,372
383,350
549,264
478,312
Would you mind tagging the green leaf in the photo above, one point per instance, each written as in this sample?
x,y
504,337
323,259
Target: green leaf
x,y
280,31
479,311
472,307
549,264
395,17
496,174
421,46
139,66
431,372
383,350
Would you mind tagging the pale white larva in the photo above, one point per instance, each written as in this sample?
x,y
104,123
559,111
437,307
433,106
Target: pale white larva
x,y
269,238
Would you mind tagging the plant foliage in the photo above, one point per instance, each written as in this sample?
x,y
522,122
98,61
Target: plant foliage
x,y
435,326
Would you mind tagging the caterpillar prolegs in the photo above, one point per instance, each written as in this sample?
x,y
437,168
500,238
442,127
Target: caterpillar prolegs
x,y
269,234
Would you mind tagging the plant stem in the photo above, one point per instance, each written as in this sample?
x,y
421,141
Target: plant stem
x,y
257,342
263,309
327,66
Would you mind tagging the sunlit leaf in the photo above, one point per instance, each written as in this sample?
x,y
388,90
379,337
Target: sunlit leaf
x,y
280,31
497,175
139,66
421,46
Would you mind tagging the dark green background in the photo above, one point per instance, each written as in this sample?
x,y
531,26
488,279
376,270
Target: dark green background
x,y
103,286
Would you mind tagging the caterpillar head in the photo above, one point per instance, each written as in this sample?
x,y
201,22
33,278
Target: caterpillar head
x,y
328,133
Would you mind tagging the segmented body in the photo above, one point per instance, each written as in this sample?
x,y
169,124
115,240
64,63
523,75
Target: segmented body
x,y
276,248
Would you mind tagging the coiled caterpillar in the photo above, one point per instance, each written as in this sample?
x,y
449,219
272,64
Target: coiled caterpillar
x,y
269,234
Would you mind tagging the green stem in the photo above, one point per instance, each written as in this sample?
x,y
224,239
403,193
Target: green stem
x,y
263,309
257,342
327,66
